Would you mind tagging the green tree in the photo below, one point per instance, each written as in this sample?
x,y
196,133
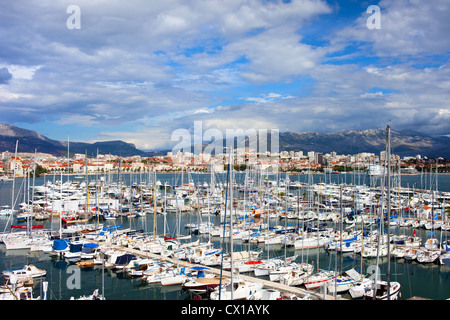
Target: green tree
x,y
40,170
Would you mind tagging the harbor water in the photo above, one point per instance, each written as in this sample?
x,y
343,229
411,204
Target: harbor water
x,y
66,280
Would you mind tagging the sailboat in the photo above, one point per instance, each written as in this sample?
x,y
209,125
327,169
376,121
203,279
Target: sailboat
x,y
203,281
14,290
428,256
94,296
343,283
18,241
174,276
359,289
372,250
288,266
297,275
167,276
239,289
268,266
444,259
385,290
318,279
382,291
410,254
6,211
236,288
248,266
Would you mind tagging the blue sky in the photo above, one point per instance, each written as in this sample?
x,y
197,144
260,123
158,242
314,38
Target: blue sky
x,y
139,70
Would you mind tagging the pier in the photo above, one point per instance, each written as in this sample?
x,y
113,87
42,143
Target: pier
x,y
284,289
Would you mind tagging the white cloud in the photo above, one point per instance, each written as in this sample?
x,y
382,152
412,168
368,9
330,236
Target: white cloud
x,y
267,98
372,94
409,29
7,96
86,120
20,72
146,138
160,65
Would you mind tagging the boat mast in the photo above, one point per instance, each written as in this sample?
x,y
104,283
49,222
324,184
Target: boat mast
x,y
388,158
61,207
285,222
154,206
231,220
380,226
224,226
96,193
87,186
165,208
341,228
13,183
68,160
29,221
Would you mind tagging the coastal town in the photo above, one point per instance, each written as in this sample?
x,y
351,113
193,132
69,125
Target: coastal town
x,y
285,161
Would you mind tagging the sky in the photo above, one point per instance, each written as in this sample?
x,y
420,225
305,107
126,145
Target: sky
x,y
138,71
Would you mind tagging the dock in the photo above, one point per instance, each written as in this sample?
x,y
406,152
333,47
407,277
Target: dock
x,y
284,289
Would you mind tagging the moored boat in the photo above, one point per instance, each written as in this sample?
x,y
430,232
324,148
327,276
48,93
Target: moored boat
x,y
382,291
239,289
29,270
318,279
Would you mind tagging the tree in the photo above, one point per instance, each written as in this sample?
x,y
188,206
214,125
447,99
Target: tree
x,y
40,170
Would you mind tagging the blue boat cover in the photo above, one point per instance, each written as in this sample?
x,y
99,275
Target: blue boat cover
x,y
91,245
76,247
125,259
59,244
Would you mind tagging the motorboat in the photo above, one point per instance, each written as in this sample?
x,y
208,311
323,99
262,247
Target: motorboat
x,y
26,271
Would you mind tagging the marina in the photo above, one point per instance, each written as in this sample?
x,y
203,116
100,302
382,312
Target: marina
x,y
285,237
251,151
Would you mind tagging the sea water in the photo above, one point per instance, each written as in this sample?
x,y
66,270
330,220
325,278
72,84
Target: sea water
x,y
66,280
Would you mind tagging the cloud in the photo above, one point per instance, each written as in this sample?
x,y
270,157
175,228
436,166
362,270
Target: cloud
x,y
409,30
267,98
372,95
18,72
138,72
86,120
5,75
146,138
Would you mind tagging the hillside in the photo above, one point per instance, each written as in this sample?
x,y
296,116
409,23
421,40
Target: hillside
x,y
29,141
404,143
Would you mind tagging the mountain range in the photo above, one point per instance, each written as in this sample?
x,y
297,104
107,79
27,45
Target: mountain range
x,y
404,143
29,141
